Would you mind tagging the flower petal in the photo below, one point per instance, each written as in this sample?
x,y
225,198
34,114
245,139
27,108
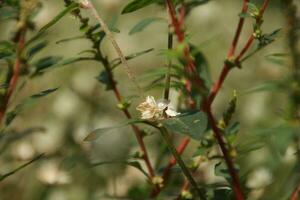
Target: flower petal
x,y
172,113
148,114
151,101
162,104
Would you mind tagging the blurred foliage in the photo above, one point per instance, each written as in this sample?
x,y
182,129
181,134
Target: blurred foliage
x,y
71,89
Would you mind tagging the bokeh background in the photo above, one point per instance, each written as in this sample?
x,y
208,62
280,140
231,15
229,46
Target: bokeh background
x,y
81,104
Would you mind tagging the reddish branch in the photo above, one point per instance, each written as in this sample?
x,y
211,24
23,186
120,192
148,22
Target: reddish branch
x,y
16,72
178,26
215,89
238,31
222,143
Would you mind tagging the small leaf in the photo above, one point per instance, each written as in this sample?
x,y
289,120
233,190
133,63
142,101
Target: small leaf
x,y
267,86
277,58
37,48
253,9
228,114
26,103
191,124
116,62
144,23
98,132
202,66
105,78
43,93
70,39
267,39
45,63
137,4
72,60
7,13
6,49
68,9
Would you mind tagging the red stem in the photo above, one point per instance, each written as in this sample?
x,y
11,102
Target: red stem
x,y
238,31
295,195
218,84
245,49
263,8
141,143
234,176
16,73
172,162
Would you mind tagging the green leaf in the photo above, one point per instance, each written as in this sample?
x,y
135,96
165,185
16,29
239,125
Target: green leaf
x,y
267,86
112,25
191,124
202,66
137,4
67,10
70,39
253,9
100,131
134,164
8,13
277,58
144,23
36,48
43,93
105,79
25,104
45,63
116,62
159,72
267,39
6,49
228,114
224,193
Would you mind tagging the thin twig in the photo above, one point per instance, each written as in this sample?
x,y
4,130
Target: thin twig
x,y
110,36
4,176
108,69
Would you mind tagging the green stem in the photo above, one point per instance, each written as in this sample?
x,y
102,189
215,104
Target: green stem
x,y
180,162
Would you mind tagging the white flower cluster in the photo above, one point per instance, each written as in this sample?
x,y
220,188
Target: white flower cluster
x,y
153,110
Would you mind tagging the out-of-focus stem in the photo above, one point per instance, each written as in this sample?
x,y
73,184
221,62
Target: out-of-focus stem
x,y
180,162
16,72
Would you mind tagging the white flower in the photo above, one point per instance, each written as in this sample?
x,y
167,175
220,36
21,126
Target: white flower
x,y
151,109
86,4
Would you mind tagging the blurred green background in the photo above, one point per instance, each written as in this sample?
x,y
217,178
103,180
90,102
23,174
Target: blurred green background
x,y
81,104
